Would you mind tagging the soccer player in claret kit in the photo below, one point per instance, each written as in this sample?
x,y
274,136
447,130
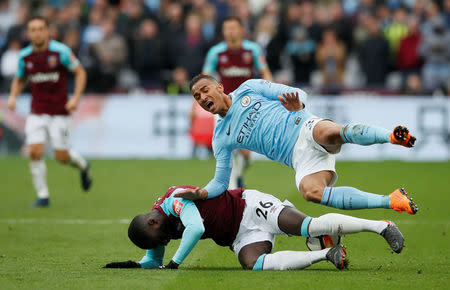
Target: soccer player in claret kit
x,y
45,64
247,222
235,60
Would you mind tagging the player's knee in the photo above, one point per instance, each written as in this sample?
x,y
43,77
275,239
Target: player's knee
x,y
312,192
249,264
35,154
62,156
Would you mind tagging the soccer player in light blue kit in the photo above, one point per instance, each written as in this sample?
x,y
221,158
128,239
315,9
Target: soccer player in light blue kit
x,y
271,119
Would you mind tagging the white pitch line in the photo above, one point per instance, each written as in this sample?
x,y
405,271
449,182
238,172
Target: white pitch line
x,y
413,221
66,221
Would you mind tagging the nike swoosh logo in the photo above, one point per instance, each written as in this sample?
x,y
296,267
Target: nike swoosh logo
x,y
228,132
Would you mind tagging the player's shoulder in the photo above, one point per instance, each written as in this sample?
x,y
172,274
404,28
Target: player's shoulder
x,y
218,48
57,46
25,51
253,83
251,45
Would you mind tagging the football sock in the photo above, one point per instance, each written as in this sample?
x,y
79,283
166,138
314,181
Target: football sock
x,y
76,160
39,176
364,134
289,260
345,197
339,224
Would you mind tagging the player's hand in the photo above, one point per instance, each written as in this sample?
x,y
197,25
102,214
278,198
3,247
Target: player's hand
x,y
125,264
12,104
291,101
71,105
192,193
172,265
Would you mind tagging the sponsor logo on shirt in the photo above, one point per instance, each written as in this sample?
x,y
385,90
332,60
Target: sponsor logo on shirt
x,y
44,77
235,71
245,101
52,61
249,123
177,206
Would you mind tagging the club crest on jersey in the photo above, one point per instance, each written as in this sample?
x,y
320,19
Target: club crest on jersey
x,y
52,61
177,206
247,57
245,101
29,65
223,58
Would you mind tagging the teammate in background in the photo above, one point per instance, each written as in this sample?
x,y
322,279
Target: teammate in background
x,y
234,60
45,64
247,222
256,117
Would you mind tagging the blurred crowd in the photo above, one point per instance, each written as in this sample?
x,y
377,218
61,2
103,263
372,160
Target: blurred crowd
x,y
392,46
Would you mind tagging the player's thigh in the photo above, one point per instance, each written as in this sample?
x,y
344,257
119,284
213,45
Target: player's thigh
x,y
59,130
328,134
290,221
262,211
36,128
250,253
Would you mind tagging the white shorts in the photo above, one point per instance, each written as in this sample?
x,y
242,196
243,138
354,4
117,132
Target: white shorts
x,y
308,156
259,220
40,128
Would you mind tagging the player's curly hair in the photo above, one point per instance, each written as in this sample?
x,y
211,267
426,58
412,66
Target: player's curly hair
x,y
137,231
200,77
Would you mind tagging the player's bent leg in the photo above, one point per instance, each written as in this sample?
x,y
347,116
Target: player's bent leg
x,y
363,134
327,134
74,159
62,156
290,221
249,254
312,186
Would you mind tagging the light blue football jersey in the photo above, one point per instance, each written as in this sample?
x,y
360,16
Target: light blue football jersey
x,y
256,121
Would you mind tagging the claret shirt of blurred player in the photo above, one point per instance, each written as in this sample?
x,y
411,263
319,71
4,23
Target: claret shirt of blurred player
x,y
47,73
221,216
234,66
256,121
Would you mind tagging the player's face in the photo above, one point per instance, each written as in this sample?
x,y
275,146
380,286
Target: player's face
x,y
38,32
158,234
232,31
208,95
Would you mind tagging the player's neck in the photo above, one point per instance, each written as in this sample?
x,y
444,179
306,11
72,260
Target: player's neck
x,y
228,102
40,48
235,44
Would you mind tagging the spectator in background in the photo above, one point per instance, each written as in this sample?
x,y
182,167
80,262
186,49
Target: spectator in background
x,y
330,58
446,13
93,32
408,58
9,61
172,31
179,83
72,40
148,53
191,47
209,27
395,31
111,54
374,53
342,25
18,30
435,49
413,85
301,50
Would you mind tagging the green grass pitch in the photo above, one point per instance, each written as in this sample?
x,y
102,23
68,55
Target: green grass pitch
x,y
66,245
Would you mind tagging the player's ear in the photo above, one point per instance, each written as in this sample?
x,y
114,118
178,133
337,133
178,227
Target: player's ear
x,y
220,87
152,221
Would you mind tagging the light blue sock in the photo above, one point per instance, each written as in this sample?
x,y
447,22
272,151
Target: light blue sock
x,y
345,197
364,134
259,263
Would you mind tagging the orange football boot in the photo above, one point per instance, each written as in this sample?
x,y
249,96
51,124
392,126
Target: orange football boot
x,y
400,202
400,136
